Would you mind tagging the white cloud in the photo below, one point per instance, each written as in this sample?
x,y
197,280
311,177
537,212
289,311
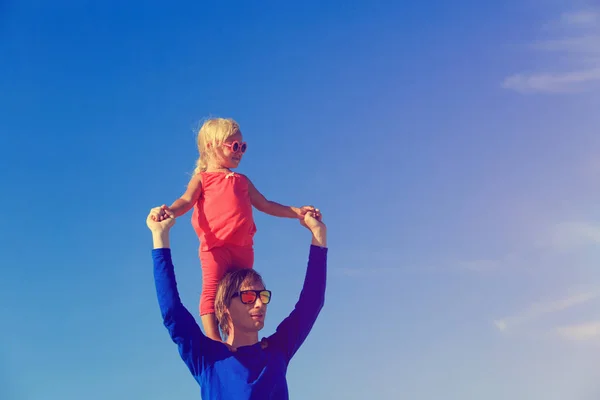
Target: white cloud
x,y
540,309
583,17
571,235
480,265
550,240
501,325
580,42
589,44
580,332
568,82
367,272
592,167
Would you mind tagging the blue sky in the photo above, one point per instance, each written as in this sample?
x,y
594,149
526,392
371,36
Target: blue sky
x,y
453,149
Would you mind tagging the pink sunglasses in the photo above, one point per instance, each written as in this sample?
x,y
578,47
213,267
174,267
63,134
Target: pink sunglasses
x,y
237,146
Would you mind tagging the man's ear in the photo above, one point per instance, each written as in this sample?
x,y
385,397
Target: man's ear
x,y
226,316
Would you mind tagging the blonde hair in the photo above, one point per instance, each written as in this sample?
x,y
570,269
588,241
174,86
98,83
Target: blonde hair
x,y
230,283
214,131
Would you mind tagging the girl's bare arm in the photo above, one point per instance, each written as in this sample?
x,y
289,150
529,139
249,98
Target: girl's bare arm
x,y
189,198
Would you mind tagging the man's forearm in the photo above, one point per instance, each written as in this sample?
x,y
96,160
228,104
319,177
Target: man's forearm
x,y
319,237
160,240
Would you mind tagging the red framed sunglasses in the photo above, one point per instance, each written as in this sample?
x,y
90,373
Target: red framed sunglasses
x,y
237,146
250,296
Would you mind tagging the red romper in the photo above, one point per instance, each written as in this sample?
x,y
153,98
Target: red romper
x,y
223,221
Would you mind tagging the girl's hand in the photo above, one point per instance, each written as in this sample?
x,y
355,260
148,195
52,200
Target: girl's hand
x,y
162,213
304,209
164,224
313,220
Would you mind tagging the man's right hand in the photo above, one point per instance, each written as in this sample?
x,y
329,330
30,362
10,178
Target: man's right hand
x,y
313,221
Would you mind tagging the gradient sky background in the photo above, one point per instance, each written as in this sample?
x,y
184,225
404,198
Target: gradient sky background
x,y
452,146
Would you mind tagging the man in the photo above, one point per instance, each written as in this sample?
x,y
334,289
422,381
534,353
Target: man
x,y
242,367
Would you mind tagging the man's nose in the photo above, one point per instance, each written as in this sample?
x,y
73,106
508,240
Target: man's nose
x,y
258,303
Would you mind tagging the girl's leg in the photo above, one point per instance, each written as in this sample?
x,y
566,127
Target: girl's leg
x,y
242,257
211,327
214,265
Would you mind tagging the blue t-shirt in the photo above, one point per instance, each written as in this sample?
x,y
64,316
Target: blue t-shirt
x,y
251,372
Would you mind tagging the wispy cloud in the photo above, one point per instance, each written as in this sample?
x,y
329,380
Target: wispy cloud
x,y
480,265
583,17
569,82
374,271
591,168
550,240
366,272
540,309
547,240
571,235
510,260
472,266
580,41
580,332
582,45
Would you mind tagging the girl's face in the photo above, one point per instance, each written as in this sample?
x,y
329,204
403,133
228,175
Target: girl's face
x,y
231,151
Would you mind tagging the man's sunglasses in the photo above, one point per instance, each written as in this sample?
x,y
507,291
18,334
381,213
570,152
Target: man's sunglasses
x,y
237,146
250,296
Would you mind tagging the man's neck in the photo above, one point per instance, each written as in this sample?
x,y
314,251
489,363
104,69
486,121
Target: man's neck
x,y
241,339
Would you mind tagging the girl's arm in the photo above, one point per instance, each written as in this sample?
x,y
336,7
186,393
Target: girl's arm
x,y
272,208
189,198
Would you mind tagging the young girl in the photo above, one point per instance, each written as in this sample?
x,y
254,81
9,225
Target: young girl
x,y
222,216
